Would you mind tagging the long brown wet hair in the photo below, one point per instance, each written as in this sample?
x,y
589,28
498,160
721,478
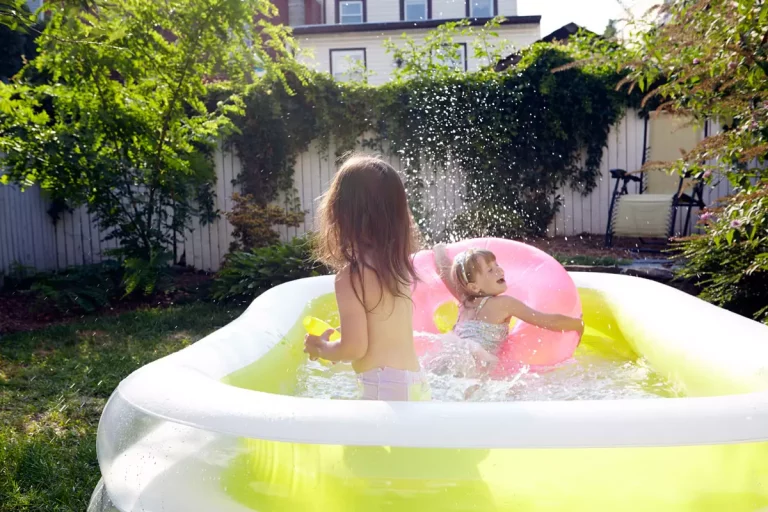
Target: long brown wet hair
x,y
364,223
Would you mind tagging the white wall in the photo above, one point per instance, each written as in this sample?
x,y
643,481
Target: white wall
x,y
381,63
381,10
508,7
389,10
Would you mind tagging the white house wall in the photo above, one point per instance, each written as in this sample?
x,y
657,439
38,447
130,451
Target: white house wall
x,y
379,11
380,63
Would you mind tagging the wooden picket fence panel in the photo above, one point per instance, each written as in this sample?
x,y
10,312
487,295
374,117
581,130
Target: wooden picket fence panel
x,y
30,238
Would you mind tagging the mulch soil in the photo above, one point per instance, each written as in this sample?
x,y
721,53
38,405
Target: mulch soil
x,y
22,311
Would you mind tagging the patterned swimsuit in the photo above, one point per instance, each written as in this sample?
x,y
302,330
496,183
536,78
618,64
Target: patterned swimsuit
x,y
456,356
487,335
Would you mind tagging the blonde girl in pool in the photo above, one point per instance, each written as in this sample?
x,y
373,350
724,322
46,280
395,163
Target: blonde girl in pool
x,y
478,282
367,235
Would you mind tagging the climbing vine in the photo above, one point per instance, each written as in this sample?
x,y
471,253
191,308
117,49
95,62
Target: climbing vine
x,y
517,135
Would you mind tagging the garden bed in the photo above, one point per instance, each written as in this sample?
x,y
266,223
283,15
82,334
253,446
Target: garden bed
x,y
23,311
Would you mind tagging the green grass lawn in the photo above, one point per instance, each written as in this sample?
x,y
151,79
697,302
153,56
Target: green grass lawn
x,y
53,386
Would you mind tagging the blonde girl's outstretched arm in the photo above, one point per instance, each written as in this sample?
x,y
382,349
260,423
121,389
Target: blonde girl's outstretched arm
x,y
550,321
444,266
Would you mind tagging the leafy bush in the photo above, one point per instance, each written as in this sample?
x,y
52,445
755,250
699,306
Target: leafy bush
x,y
489,220
730,260
86,288
147,276
254,222
246,275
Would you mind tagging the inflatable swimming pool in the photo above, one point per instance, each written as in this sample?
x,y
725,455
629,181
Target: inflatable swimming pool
x,y
215,428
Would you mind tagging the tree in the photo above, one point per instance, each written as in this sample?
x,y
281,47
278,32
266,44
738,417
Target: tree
x,y
122,124
18,45
708,60
610,30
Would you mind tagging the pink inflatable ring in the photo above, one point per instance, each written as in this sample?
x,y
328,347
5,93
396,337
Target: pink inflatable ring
x,y
533,277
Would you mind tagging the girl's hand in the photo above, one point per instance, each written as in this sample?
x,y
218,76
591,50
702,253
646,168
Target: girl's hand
x,y
314,345
580,330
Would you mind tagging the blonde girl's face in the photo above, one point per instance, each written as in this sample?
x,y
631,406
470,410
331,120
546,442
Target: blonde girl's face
x,y
488,280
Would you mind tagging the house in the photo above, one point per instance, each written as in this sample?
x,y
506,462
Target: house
x,y
346,35
562,34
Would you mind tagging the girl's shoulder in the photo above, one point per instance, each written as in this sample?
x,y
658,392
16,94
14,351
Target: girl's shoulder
x,y
502,304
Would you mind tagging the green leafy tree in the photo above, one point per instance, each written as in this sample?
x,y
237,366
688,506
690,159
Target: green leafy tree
x,y
122,124
708,60
18,44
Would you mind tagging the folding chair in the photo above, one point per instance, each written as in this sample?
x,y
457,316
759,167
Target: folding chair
x,y
652,212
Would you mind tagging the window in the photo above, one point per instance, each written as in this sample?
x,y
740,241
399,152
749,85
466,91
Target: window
x,y
350,11
456,59
348,64
481,8
415,10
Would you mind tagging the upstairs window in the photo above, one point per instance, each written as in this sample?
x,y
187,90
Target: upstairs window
x,y
481,8
415,10
350,11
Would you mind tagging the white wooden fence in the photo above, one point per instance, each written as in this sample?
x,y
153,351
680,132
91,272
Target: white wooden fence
x,y
28,236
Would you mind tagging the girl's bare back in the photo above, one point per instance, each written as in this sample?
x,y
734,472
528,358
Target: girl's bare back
x,y
384,320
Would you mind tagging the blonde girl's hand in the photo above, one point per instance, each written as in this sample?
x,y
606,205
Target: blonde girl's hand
x,y
580,328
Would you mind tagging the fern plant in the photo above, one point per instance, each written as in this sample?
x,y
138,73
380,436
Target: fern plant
x,y
147,275
246,275
86,288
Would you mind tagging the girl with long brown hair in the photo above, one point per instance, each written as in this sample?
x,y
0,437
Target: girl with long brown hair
x,y
367,235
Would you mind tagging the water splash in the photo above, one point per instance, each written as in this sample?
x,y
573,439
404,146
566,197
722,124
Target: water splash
x,y
589,375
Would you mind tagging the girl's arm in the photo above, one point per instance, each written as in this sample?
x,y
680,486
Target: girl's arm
x,y
354,343
444,265
552,322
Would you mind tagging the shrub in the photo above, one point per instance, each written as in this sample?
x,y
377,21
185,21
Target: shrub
x,y
86,288
489,220
248,274
254,222
147,276
730,260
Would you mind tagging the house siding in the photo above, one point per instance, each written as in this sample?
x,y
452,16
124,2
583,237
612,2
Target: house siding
x,y
380,63
389,10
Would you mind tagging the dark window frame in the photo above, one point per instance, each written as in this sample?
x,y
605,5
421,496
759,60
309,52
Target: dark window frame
x,y
467,8
402,11
466,55
359,49
338,10
399,64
